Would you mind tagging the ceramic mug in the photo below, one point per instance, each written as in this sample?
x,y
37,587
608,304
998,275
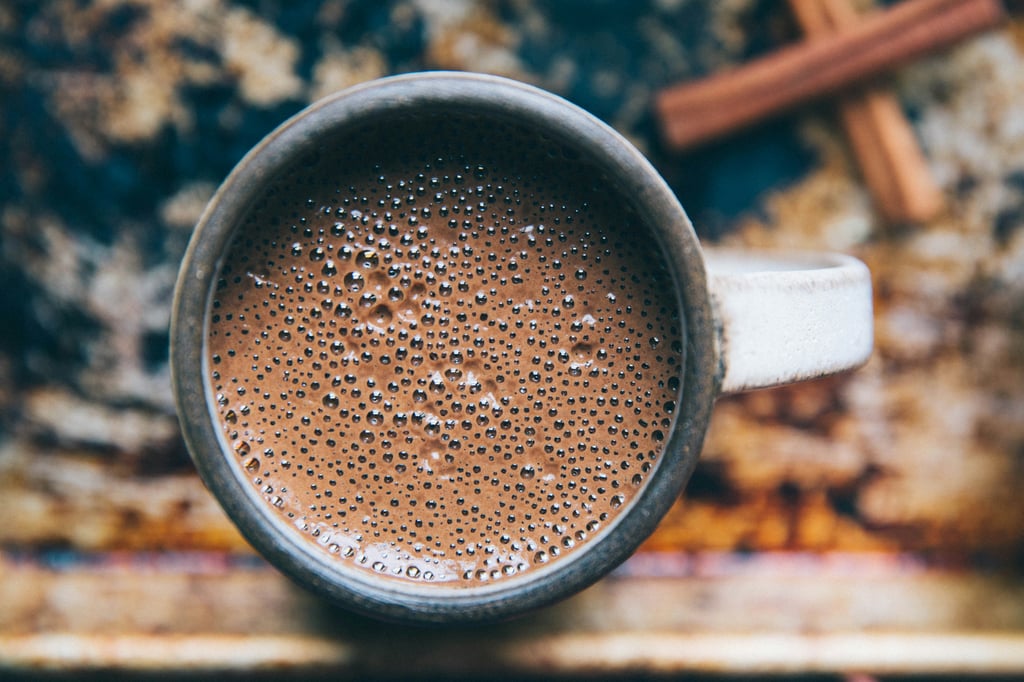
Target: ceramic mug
x,y
748,321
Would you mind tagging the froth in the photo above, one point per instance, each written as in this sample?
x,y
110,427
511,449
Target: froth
x,y
454,363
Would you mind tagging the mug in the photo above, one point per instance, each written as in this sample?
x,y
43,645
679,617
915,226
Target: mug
x,y
745,321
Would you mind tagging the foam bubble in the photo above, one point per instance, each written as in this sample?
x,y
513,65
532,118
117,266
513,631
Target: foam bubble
x,y
455,373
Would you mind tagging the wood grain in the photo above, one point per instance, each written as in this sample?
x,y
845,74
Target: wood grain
x,y
696,112
880,136
678,613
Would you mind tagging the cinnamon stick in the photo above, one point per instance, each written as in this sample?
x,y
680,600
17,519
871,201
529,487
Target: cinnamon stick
x,y
880,136
692,113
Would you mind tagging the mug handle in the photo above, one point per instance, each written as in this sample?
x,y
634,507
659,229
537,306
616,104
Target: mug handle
x,y
789,316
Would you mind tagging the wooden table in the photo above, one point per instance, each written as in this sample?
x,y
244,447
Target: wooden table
x,y
203,612
867,523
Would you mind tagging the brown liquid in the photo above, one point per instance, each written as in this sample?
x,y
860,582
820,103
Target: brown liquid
x,y
453,362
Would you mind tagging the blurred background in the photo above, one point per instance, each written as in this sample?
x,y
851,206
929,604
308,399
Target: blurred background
x,y
118,119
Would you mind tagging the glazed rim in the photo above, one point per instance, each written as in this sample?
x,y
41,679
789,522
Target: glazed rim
x,y
484,96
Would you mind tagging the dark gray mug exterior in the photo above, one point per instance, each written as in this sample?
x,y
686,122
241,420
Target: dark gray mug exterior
x,y
484,95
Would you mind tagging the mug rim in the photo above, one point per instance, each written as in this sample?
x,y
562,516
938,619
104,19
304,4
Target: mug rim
x,y
659,211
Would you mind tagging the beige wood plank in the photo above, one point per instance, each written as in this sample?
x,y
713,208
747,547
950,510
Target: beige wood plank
x,y
671,613
593,654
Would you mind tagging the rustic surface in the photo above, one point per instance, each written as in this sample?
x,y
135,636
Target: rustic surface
x,y
697,111
717,613
119,118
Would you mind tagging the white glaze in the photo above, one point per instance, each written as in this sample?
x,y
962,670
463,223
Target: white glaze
x,y
785,317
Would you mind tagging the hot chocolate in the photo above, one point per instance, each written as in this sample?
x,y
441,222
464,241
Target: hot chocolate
x,y
450,360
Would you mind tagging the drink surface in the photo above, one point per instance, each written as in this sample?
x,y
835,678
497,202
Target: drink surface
x,y
448,358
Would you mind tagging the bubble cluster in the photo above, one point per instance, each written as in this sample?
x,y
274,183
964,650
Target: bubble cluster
x,y
453,363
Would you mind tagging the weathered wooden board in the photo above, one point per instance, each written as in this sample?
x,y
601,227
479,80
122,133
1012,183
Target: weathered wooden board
x,y
872,521
660,614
